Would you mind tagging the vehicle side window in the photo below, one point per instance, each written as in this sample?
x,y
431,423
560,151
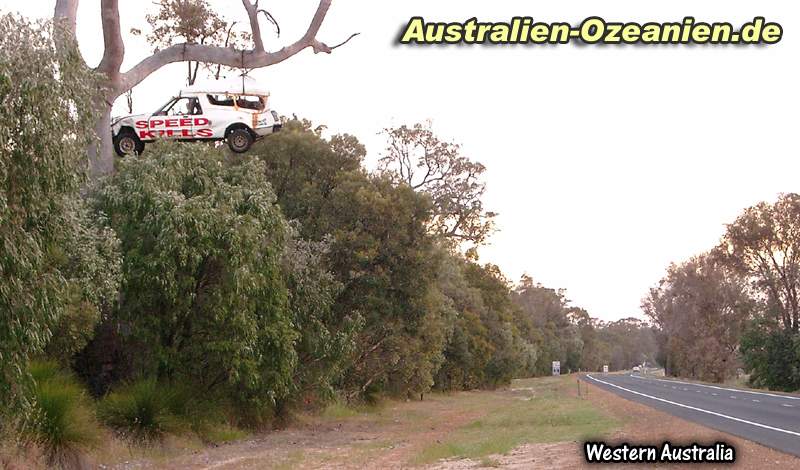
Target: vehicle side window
x,y
194,107
256,103
220,100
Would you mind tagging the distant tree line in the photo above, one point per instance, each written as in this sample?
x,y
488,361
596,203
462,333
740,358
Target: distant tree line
x,y
736,306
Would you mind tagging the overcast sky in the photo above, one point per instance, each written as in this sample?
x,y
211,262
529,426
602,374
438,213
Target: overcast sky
x,y
605,163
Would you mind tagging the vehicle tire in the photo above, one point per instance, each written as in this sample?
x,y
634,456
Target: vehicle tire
x,y
126,143
240,140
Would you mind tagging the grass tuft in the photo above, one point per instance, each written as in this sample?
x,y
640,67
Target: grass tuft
x,y
65,427
140,411
147,410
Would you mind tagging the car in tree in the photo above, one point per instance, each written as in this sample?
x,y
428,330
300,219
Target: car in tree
x,y
236,111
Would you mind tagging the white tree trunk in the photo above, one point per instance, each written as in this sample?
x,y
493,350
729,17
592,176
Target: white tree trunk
x,y
101,158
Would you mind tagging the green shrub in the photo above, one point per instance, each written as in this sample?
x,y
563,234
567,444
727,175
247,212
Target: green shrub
x,y
140,410
146,410
64,424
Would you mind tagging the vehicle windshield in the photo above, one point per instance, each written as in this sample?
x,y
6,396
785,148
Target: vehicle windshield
x,y
162,110
180,106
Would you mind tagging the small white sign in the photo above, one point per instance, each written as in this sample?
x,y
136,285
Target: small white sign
x,y
605,368
556,367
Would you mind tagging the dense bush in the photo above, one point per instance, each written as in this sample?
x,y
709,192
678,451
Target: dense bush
x,y
773,357
325,343
203,298
379,252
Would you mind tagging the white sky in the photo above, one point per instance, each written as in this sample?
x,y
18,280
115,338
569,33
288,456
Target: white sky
x,y
605,163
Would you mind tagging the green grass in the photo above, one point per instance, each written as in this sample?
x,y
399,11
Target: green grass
x,y
547,413
65,426
339,411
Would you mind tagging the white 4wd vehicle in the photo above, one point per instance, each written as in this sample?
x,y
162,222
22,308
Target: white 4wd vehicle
x,y
235,111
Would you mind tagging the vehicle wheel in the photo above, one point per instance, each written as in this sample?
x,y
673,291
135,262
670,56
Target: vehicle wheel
x,y
240,140
127,143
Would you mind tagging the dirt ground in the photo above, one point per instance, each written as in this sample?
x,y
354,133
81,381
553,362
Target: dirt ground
x,y
394,437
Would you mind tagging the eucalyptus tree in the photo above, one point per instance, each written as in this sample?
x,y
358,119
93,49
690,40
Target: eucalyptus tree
x,y
116,82
56,266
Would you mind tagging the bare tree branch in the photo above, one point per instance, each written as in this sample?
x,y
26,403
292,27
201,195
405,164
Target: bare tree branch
x,y
112,39
272,20
225,56
66,15
252,13
343,42
67,12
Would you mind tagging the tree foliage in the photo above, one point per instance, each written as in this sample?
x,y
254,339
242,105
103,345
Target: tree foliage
x,y
53,266
700,308
737,305
763,244
192,22
417,157
204,297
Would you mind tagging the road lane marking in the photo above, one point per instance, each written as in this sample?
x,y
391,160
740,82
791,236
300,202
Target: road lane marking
x,y
788,397
714,394
714,413
757,401
787,406
732,397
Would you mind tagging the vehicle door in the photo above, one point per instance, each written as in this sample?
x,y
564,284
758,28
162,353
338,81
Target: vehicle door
x,y
202,119
174,121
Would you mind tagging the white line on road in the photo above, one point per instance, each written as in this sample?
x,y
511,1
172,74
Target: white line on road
x,y
757,401
732,397
732,418
787,406
788,397
714,394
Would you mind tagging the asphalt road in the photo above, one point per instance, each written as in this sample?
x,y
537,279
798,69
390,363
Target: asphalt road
x,y
767,418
